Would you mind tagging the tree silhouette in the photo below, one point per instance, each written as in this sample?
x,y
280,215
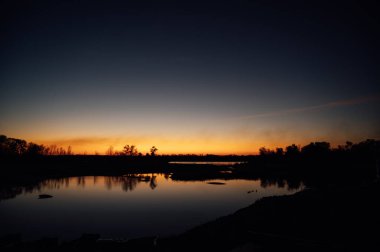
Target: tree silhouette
x,y
266,152
130,150
110,151
316,148
279,151
17,146
35,149
69,151
292,150
3,145
153,151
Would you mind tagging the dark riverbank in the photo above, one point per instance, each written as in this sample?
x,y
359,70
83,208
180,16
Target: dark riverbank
x,y
334,219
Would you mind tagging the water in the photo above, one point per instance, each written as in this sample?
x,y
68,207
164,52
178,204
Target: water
x,y
126,206
216,163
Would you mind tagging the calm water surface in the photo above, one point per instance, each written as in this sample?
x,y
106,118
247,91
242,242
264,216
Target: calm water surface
x,y
217,163
126,206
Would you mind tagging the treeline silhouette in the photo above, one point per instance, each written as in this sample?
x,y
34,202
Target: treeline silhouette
x,y
130,150
318,164
369,147
20,147
315,162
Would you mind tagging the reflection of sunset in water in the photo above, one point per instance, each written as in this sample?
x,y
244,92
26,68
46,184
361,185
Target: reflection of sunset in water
x,y
129,182
130,205
126,182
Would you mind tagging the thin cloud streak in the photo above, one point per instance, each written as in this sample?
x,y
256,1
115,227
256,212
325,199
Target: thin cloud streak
x,y
341,103
75,141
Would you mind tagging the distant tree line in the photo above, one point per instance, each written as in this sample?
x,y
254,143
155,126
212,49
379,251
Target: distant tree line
x,y
130,150
369,147
19,147
319,163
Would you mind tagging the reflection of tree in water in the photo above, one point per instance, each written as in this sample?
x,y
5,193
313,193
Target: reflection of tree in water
x,y
153,182
290,183
130,181
108,182
81,181
167,175
264,183
9,192
48,184
67,182
281,183
126,183
294,184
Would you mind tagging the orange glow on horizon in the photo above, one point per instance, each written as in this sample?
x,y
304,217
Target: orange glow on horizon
x,y
164,147
173,146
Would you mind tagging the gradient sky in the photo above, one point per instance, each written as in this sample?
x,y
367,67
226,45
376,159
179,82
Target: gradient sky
x,y
189,76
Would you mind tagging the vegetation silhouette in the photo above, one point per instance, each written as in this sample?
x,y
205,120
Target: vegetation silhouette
x,y
153,151
129,150
317,164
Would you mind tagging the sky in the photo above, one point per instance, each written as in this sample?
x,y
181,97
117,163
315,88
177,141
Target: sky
x,y
221,77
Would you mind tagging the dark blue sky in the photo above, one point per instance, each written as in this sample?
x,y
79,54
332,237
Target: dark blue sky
x,y
179,72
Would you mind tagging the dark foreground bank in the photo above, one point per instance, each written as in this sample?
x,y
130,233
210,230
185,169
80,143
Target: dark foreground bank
x,y
334,219
329,219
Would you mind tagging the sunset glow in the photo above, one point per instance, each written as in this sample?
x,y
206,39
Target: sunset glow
x,y
192,84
